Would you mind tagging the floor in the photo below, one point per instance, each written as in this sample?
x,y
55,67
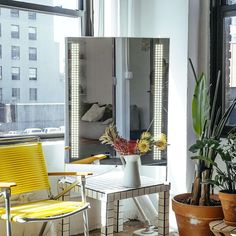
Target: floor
x,y
129,228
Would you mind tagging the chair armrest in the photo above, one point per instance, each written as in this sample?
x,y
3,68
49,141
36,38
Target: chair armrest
x,y
69,173
7,184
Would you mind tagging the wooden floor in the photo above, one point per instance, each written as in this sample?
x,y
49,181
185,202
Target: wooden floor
x,y
129,228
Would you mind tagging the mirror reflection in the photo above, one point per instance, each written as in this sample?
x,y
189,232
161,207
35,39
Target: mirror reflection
x,y
115,80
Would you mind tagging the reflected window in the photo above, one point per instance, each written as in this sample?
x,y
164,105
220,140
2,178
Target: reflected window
x,y
0,72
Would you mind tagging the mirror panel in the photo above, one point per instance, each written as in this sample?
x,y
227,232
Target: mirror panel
x,y
95,67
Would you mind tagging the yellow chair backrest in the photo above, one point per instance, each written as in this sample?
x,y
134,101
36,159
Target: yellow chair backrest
x,y
25,165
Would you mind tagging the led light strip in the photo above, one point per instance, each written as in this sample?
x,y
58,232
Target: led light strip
x,y
74,87
158,81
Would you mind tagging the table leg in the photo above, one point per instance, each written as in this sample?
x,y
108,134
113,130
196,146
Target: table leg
x,y
118,216
163,213
107,218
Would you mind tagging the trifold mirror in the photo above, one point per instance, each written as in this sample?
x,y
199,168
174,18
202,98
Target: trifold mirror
x,y
119,80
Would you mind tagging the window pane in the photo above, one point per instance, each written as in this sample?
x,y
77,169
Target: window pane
x,y
15,73
32,33
32,73
15,31
0,72
34,65
229,64
15,52
15,94
14,13
231,2
33,94
0,94
33,54
32,15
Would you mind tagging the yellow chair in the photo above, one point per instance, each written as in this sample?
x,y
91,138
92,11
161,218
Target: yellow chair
x,y
22,170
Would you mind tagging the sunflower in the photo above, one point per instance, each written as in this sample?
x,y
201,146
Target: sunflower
x,y
161,143
143,146
146,135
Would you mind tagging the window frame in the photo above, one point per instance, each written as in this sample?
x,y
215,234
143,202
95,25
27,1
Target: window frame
x,y
219,10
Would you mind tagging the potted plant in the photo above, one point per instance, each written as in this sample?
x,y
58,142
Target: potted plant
x,y
195,210
225,177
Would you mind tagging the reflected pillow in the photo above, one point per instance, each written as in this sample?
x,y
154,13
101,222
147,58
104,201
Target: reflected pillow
x,y
95,113
108,121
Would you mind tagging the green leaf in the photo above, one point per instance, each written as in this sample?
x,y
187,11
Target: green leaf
x,y
200,105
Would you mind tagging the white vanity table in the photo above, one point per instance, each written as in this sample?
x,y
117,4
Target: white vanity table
x,y
107,188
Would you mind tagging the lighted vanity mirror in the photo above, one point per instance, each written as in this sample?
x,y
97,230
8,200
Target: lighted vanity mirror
x,y
120,80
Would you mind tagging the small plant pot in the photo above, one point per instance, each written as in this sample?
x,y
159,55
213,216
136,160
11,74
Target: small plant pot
x,y
194,220
228,202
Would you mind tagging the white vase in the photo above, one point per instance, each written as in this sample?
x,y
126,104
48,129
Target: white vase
x,y
131,177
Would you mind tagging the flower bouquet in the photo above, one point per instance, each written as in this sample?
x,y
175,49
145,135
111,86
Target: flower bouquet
x,y
132,147
130,151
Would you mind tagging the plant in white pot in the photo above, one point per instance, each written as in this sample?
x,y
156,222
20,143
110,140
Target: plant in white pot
x,y
195,210
225,177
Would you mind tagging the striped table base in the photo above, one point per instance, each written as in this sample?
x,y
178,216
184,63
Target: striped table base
x,y
108,189
219,228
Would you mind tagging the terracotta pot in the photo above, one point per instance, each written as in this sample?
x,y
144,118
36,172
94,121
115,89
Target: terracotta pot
x,y
194,220
228,202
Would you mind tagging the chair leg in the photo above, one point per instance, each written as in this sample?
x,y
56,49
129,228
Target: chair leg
x,y
86,227
43,228
7,195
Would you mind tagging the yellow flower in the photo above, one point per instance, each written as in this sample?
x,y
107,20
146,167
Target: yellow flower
x,y
161,143
146,135
143,146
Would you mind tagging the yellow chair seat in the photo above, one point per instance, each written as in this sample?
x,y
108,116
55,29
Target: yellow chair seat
x,y
43,210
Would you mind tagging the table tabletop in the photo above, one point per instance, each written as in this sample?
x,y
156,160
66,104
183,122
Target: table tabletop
x,y
112,182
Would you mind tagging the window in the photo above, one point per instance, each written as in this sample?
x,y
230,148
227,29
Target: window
x,y
1,95
32,73
29,64
15,73
15,52
14,13
31,15
32,54
15,34
0,72
32,33
0,51
15,93
0,29
33,94
223,54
